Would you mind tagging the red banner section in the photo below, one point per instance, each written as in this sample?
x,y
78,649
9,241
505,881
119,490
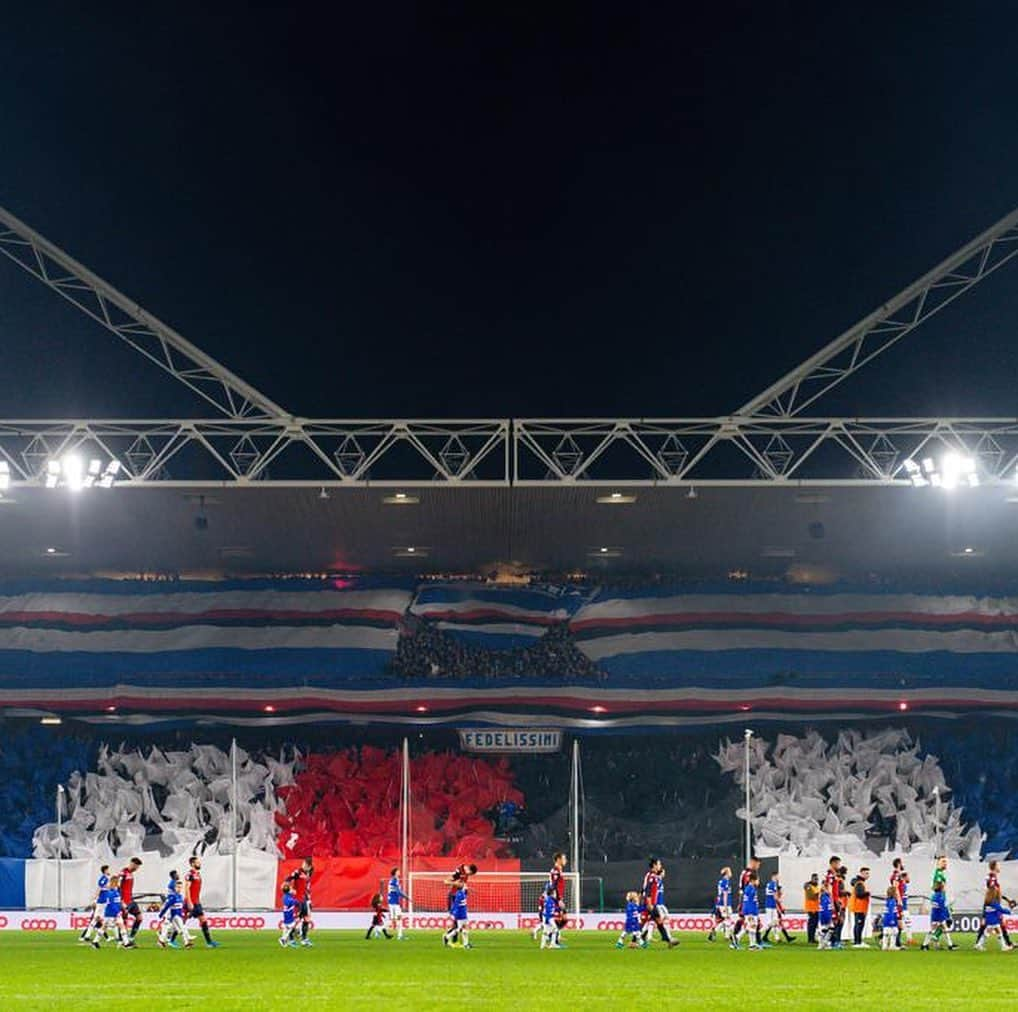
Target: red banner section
x,y
348,883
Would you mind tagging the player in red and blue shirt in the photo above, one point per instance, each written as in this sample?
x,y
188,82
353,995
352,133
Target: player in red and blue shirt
x,y
131,911
378,913
192,906
753,868
557,882
653,894
992,886
460,876
300,881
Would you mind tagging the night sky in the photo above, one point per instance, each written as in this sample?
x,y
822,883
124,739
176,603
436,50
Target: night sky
x,y
458,210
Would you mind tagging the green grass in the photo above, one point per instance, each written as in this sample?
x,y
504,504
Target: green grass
x,y
505,970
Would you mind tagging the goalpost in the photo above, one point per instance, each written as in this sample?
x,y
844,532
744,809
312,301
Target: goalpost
x,y
491,892
507,892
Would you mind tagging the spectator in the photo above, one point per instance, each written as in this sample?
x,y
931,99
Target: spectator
x,y
425,651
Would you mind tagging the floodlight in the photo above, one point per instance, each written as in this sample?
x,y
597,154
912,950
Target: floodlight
x,y
72,467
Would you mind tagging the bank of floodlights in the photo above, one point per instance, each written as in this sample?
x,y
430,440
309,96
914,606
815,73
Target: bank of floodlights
x,y
953,470
72,472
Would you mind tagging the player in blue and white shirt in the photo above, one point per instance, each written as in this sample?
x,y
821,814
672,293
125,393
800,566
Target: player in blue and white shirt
x,y
722,912
774,911
394,895
291,910
459,916
891,922
98,902
634,924
940,918
549,919
113,915
825,917
750,912
171,916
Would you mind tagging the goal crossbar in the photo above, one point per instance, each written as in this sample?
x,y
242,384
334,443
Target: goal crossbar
x,y
495,892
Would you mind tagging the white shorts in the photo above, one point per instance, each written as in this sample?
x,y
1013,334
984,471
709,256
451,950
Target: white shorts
x,y
771,919
395,911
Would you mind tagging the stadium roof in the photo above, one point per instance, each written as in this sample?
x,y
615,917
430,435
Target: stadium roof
x,y
256,489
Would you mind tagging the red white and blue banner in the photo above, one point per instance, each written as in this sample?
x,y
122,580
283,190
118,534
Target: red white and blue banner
x,y
278,651
754,640
194,636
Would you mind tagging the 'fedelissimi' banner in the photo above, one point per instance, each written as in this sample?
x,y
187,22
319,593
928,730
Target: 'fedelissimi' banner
x,y
526,739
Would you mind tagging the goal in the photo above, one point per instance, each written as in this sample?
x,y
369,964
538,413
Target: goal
x,y
492,892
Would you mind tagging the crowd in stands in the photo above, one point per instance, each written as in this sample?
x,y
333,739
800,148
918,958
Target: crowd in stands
x,y
647,794
425,651
32,763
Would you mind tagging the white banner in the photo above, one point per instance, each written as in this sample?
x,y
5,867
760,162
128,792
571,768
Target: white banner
x,y
526,739
256,878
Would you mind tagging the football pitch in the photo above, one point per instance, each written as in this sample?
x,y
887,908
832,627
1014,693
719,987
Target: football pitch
x,y
504,970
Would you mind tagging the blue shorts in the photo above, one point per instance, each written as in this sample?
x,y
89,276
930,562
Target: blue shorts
x,y
826,917
890,922
750,910
938,915
992,918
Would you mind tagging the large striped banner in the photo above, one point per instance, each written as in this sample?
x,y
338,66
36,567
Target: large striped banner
x,y
796,649
320,650
195,635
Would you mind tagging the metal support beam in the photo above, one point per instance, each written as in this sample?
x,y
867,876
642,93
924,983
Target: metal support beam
x,y
195,452
159,343
884,327
342,453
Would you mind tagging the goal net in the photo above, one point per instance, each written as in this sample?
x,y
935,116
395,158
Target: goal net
x,y
510,892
